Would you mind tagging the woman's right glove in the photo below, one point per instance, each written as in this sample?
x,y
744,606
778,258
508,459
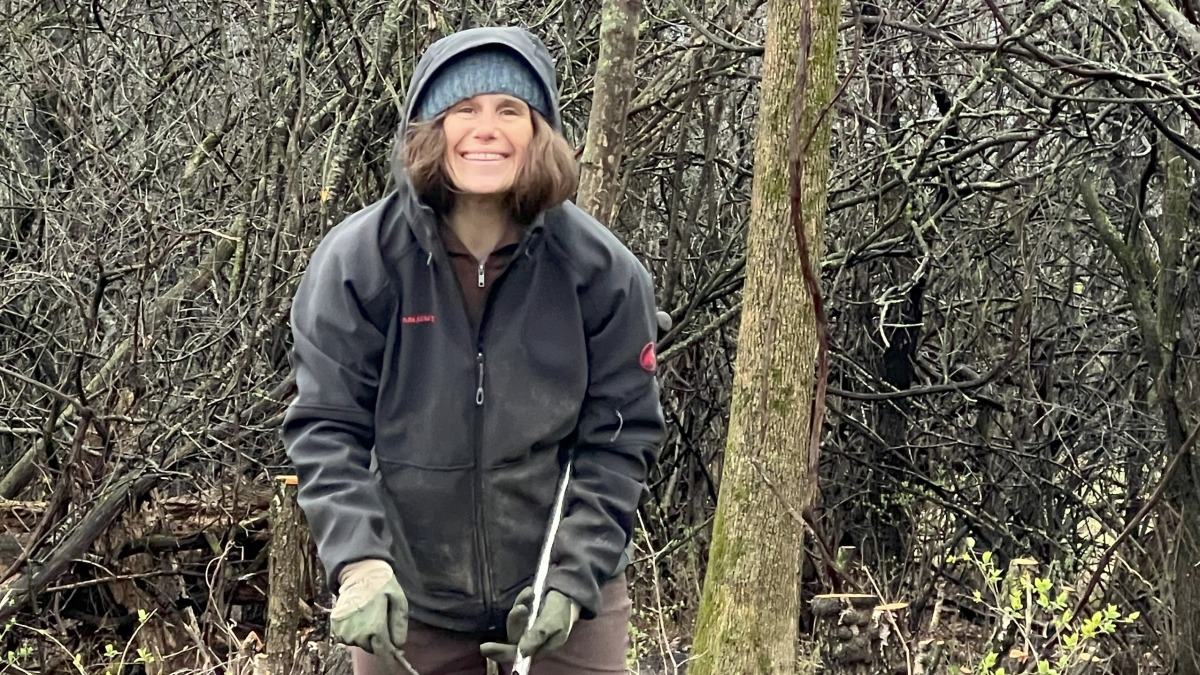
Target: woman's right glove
x,y
371,611
550,630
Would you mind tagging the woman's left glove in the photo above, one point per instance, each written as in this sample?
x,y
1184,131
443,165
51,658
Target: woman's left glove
x,y
549,631
371,611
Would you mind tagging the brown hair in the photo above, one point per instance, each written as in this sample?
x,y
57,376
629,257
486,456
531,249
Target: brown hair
x,y
549,176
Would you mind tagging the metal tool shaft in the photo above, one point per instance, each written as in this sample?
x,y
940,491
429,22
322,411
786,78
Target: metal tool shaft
x,y
522,664
408,667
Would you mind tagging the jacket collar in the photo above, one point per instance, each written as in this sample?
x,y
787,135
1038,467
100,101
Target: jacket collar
x,y
425,223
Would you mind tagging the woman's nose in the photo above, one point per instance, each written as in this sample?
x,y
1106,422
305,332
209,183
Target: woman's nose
x,y
486,125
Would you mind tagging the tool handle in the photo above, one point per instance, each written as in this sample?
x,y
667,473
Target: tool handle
x,y
408,667
522,664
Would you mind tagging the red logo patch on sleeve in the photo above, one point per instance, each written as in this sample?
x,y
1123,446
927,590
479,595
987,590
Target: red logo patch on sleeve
x,y
648,360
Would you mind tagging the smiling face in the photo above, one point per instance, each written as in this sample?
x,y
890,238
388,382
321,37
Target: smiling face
x,y
487,142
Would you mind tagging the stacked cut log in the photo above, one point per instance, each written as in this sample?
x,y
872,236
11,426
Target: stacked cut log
x,y
145,548
855,635
17,520
147,542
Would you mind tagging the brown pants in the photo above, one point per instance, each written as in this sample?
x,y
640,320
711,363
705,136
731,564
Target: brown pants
x,y
595,647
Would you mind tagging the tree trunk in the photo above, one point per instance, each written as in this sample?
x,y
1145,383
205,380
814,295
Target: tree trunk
x,y
749,608
1176,294
1167,322
600,170
1182,519
289,544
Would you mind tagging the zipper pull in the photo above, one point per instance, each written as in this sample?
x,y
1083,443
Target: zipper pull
x,y
479,388
481,277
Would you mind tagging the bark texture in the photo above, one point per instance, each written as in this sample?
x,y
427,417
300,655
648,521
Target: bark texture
x,y
1181,410
1160,292
747,621
289,544
600,184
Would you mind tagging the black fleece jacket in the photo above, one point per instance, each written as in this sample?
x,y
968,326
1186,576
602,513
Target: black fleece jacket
x,y
436,445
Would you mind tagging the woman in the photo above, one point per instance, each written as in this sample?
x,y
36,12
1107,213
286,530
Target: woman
x,y
452,343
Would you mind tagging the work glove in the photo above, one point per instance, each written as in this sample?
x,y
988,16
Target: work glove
x,y
549,631
371,611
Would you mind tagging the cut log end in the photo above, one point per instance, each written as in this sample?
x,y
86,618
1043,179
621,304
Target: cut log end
x,y
831,605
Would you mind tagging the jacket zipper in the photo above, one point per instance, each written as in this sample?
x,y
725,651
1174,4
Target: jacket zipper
x,y
481,538
481,567
485,572
480,515
485,575
479,383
